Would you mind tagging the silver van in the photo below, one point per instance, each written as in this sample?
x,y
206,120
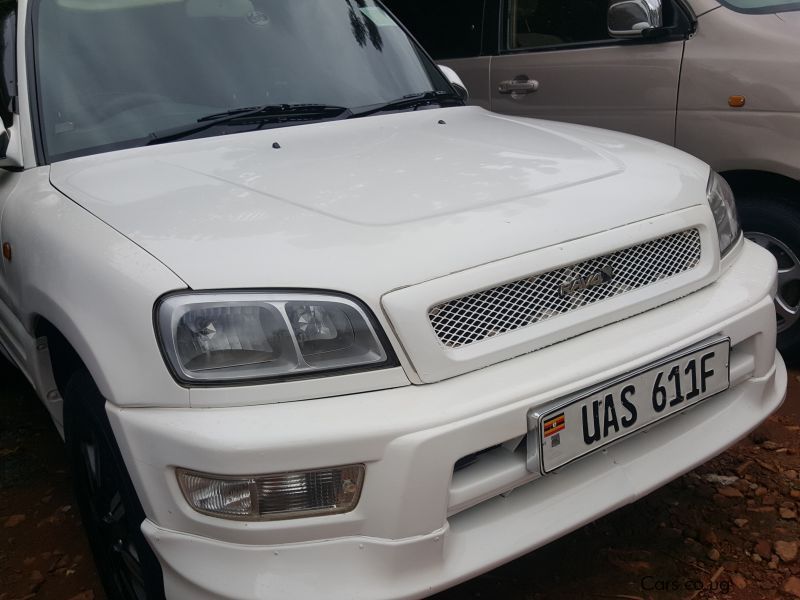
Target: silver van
x,y
718,79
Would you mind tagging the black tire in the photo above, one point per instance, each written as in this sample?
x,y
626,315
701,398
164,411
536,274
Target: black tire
x,y
774,223
110,509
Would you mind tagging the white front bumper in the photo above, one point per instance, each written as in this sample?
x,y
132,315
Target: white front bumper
x,y
418,529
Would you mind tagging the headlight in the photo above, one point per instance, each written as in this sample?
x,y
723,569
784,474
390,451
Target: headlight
x,y
236,337
723,205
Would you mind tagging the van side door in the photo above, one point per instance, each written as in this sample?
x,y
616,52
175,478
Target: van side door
x,y
557,61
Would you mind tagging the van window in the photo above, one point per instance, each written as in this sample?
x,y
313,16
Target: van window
x,y
445,28
538,23
8,64
762,6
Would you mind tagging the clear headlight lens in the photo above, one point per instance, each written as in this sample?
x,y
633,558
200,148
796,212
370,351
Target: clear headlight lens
x,y
230,337
723,205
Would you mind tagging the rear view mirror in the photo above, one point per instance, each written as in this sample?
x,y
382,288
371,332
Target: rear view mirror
x,y
632,18
455,81
10,147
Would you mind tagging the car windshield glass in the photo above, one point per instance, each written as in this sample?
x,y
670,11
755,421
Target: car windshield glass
x,y
111,73
762,6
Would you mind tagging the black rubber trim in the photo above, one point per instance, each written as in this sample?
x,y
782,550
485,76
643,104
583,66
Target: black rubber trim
x,y
31,23
688,11
492,29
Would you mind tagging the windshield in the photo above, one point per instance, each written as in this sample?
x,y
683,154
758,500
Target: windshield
x,y
762,6
111,73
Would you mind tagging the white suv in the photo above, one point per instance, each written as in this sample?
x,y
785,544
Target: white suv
x,y
715,78
313,327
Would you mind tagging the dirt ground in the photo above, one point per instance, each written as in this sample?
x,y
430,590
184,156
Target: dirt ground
x,y
727,530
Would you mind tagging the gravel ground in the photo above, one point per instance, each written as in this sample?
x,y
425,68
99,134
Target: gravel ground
x,y
727,530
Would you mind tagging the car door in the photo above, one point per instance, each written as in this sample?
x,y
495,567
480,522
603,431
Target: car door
x,y
9,178
557,61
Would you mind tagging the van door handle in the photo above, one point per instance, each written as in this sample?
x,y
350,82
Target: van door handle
x,y
521,84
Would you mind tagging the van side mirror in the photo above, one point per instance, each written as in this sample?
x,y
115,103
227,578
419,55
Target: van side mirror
x,y
455,81
634,18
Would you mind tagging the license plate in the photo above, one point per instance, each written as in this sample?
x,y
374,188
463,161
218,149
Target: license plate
x,y
621,407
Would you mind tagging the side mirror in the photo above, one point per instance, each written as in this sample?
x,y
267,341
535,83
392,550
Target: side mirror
x,y
632,18
455,81
10,147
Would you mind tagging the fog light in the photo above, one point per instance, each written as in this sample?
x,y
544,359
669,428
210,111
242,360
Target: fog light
x,y
274,497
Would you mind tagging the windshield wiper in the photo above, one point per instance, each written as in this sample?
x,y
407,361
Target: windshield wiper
x,y
269,112
412,101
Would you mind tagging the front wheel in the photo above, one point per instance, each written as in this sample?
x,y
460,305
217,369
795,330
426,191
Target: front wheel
x,y
774,223
110,509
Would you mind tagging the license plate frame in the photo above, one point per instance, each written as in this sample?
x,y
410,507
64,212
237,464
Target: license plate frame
x,y
545,427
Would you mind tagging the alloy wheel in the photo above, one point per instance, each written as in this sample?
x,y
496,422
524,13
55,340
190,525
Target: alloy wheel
x,y
109,518
787,300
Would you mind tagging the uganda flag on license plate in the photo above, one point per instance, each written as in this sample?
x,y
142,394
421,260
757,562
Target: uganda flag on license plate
x,y
554,425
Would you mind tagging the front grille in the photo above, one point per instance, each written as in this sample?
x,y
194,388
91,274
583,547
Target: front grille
x,y
522,303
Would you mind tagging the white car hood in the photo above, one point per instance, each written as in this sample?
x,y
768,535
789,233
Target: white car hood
x,y
374,204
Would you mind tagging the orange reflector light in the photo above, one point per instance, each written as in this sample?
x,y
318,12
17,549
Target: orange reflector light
x,y
7,251
736,101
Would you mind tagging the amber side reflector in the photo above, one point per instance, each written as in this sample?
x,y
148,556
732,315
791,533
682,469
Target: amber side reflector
x,y
736,101
7,251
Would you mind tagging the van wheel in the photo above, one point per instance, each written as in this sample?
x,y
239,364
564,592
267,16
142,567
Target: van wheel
x,y
774,224
110,509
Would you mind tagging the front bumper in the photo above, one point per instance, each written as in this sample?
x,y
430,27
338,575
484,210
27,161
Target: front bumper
x,y
418,528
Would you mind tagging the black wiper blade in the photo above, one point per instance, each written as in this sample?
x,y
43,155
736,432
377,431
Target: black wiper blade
x,y
269,112
274,110
412,101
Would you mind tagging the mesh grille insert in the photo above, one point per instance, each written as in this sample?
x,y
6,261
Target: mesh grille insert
x,y
521,303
